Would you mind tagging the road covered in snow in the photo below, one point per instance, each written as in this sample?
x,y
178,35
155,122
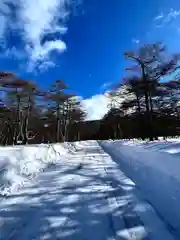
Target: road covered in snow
x,y
83,196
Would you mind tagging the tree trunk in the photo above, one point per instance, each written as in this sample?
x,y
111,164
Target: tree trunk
x,y
25,131
149,115
58,123
17,121
145,87
138,103
26,122
120,131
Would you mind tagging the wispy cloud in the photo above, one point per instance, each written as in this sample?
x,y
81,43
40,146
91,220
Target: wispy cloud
x,y
173,13
105,86
163,27
165,18
158,17
135,40
35,19
14,53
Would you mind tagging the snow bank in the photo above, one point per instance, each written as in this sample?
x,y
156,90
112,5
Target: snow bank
x,y
79,145
156,173
19,164
171,146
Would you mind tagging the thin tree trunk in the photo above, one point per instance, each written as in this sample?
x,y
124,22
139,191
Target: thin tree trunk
x,y
58,123
26,122
138,103
17,121
145,88
120,131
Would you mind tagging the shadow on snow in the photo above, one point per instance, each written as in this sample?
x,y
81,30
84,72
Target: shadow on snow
x,y
81,208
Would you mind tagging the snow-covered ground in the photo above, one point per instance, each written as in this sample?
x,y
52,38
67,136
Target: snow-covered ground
x,y
19,164
155,168
83,195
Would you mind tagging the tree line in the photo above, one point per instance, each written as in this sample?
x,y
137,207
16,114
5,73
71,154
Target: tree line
x,y
151,104
29,114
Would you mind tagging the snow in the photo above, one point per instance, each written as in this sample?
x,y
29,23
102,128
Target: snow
x,y
155,169
19,164
83,195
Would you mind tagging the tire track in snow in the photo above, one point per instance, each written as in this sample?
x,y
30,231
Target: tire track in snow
x,y
124,222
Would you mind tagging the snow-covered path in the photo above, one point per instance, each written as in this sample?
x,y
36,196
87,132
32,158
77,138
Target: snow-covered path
x,y
82,198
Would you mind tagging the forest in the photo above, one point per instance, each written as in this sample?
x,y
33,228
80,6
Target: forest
x,y
143,104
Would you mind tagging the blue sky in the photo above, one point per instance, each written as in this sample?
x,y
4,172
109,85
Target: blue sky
x,y
82,41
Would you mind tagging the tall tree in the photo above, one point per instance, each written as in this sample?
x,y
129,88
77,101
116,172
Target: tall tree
x,y
151,67
60,104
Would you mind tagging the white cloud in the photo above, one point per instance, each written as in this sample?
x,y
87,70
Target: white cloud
x,y
164,27
44,66
158,17
14,53
173,13
165,18
96,106
39,18
2,26
4,12
34,20
134,40
41,53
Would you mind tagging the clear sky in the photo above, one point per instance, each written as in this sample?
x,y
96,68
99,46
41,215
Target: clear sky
x,y
82,41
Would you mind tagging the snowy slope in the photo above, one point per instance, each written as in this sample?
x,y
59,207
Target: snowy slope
x,y
156,172
19,164
83,196
171,145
